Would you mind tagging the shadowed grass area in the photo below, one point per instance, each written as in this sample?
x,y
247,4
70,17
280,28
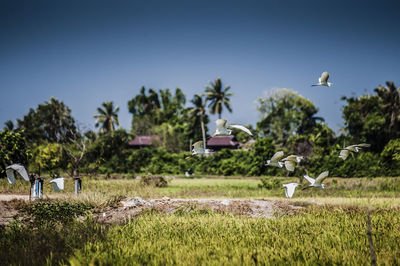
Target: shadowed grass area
x,y
315,236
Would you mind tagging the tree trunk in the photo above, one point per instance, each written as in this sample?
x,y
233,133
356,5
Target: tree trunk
x,y
203,131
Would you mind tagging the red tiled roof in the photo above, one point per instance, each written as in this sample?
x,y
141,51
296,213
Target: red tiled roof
x,y
222,141
143,140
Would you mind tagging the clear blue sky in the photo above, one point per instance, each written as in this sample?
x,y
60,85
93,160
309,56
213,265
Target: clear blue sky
x,y
88,52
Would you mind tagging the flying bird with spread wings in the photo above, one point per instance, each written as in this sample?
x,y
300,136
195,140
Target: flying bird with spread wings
x,y
16,168
323,80
291,161
290,188
318,181
274,161
345,152
198,148
222,128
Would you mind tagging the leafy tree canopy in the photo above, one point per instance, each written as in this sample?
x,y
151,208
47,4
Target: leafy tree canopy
x,y
155,108
51,121
374,119
285,113
12,149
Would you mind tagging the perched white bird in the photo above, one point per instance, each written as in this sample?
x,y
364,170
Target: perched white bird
x,y
323,80
20,169
274,161
290,188
222,128
345,152
291,160
58,183
317,182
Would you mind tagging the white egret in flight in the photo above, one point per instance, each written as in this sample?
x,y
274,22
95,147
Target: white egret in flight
x,y
198,148
290,188
222,128
20,169
345,152
291,160
58,183
323,80
274,161
317,182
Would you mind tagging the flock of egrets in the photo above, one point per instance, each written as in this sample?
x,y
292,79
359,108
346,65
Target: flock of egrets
x,y
290,161
199,148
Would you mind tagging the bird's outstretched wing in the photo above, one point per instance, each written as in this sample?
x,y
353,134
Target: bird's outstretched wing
x,y
290,158
324,77
20,169
363,145
289,165
221,123
352,148
10,176
277,156
321,177
245,129
309,179
344,154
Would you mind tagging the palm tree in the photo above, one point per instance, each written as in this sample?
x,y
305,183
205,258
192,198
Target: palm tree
x,y
107,117
198,112
9,125
218,97
391,104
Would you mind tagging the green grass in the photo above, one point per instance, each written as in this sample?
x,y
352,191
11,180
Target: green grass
x,y
317,236
313,235
330,231
384,192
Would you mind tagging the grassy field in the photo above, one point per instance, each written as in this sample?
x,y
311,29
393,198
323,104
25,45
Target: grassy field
x,y
330,229
316,236
384,192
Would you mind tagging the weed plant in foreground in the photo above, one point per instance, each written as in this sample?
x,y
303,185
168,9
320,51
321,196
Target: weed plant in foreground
x,y
46,232
318,235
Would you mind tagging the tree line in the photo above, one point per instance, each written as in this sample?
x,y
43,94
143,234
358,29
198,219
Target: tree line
x,y
48,138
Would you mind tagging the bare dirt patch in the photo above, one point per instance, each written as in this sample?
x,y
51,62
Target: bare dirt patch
x,y
129,208
132,207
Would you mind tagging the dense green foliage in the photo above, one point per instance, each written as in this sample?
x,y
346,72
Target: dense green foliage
x,y
285,113
374,119
12,149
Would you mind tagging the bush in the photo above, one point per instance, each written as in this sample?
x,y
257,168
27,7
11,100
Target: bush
x,y
269,183
157,181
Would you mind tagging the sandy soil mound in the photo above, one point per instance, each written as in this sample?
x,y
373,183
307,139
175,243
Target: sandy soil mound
x,y
131,207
